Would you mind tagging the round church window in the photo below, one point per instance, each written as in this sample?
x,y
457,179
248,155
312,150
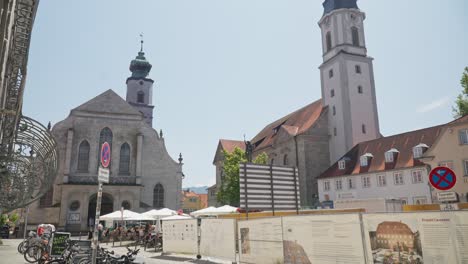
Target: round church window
x,y
126,205
141,82
75,205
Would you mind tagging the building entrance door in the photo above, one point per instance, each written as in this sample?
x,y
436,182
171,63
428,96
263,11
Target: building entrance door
x,y
107,207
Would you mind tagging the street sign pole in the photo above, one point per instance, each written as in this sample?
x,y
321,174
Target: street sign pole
x,y
96,222
103,176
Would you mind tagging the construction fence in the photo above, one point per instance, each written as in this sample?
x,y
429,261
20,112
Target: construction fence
x,y
411,237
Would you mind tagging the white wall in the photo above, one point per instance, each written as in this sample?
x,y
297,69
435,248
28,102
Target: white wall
x,y
408,191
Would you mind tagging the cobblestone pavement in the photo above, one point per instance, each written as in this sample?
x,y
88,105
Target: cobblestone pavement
x,y
10,255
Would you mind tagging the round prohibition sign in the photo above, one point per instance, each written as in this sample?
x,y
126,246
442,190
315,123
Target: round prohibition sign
x,y
442,178
105,155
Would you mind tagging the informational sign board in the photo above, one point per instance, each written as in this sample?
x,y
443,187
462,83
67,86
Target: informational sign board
x,y
59,243
105,155
218,238
103,175
323,239
445,197
442,178
260,241
180,236
449,207
267,187
422,237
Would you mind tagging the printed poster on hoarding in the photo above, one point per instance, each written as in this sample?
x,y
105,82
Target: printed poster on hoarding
x,y
422,237
260,241
324,239
218,238
180,236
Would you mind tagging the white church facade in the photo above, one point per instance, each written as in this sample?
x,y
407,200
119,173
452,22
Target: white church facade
x,y
143,175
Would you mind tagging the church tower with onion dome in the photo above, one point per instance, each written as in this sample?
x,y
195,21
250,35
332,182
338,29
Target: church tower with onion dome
x,y
140,88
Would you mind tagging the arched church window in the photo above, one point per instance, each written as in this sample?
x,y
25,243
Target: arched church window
x,y
124,162
83,156
140,97
105,136
332,93
359,89
158,196
328,40
363,129
285,160
355,36
334,110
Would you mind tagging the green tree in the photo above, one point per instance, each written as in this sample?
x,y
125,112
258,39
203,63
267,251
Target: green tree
x,y
461,104
229,192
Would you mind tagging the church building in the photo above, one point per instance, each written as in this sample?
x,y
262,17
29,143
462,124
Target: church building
x,y
315,136
143,175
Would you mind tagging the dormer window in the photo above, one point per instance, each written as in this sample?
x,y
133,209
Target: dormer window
x,y
364,160
390,155
342,164
419,150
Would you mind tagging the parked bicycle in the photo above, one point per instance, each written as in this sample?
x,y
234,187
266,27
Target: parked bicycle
x,y
107,257
32,238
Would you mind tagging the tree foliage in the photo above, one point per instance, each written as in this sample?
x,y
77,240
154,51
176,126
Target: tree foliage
x,y
461,104
229,192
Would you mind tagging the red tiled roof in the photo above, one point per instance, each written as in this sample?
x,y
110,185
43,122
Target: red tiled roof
x,y
404,143
457,121
294,124
230,145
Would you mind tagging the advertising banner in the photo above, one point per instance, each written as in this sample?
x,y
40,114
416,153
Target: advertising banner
x,y
260,241
323,239
180,236
423,237
218,238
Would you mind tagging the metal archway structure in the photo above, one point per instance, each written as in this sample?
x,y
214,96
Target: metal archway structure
x,y
30,169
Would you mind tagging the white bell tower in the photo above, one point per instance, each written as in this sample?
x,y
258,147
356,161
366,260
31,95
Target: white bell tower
x,y
347,78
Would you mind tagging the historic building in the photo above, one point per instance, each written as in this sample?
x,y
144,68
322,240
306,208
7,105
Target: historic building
x,y
142,173
398,166
318,134
388,167
451,150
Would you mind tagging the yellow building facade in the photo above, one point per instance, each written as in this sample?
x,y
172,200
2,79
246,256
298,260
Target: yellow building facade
x,y
451,150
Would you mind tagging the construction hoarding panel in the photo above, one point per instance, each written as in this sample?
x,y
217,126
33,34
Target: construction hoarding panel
x,y
180,236
267,187
218,238
323,239
423,237
260,241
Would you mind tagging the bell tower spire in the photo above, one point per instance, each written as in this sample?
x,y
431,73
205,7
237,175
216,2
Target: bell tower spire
x,y
139,87
347,77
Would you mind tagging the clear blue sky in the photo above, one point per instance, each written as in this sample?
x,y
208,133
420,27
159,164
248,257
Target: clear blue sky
x,y
224,68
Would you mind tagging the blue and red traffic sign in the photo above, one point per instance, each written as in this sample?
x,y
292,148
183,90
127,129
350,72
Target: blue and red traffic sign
x,y
442,178
105,155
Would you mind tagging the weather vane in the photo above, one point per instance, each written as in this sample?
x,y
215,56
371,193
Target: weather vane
x,y
141,41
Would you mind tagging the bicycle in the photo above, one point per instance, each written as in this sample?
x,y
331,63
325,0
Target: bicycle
x,y
38,252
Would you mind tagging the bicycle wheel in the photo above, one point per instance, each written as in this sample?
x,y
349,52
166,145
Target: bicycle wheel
x,y
85,261
20,246
33,253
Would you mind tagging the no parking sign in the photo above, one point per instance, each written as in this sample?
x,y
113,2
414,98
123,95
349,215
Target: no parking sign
x,y
442,178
